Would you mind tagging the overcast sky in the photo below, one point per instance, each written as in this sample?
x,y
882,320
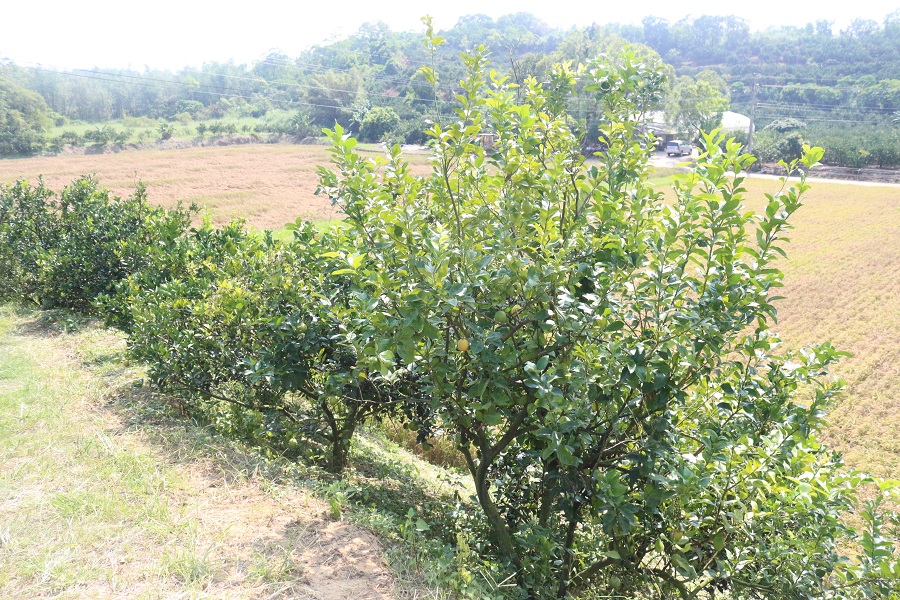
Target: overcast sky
x,y
171,34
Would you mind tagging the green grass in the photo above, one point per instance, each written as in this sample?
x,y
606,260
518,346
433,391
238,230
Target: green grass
x,y
69,487
85,502
147,130
106,490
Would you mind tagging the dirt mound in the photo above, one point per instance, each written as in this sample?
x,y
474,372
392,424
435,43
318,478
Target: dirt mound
x,y
342,561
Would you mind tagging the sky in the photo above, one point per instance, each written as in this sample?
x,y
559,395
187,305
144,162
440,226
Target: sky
x,y
172,34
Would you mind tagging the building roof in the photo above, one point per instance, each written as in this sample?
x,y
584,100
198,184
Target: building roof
x,y
732,121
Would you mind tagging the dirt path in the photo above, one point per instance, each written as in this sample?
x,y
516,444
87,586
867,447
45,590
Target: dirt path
x,y
100,500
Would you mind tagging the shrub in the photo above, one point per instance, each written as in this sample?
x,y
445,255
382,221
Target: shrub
x,y
189,107
244,320
67,252
102,136
378,123
772,146
29,228
166,130
604,359
785,125
70,137
23,117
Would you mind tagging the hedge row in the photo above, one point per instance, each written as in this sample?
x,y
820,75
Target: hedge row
x,y
250,331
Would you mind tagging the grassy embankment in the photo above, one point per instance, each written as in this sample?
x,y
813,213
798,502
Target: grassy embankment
x,y
105,491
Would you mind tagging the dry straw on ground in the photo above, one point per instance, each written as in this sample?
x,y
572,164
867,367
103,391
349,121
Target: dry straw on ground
x,y
269,185
97,502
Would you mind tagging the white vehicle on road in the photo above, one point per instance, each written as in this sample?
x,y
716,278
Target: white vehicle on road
x,y
678,147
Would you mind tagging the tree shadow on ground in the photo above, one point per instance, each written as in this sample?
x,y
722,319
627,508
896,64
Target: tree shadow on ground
x,y
296,540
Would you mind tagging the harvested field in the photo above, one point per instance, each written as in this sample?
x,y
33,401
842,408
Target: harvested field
x,y
268,184
842,285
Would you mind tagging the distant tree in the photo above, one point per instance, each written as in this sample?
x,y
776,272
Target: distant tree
x,y
192,107
332,97
785,125
863,27
696,105
377,123
657,34
166,130
884,95
823,27
23,116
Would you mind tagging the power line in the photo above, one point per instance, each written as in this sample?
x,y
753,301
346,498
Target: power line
x,y
263,81
830,87
300,65
306,86
821,107
808,118
142,81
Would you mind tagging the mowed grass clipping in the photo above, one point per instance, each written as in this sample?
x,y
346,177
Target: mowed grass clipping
x,y
98,502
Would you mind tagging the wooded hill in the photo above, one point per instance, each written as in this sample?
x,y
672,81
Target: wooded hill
x,y
841,87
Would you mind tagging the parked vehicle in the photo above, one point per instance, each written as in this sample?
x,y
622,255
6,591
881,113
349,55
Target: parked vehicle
x,y
678,147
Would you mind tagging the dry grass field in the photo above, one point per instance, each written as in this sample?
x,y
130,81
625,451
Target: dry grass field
x,y
842,283
269,185
841,278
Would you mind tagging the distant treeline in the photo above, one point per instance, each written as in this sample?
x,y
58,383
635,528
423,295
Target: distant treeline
x,y
370,82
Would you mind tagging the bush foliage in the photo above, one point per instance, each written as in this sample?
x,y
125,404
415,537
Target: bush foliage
x,y
68,251
603,359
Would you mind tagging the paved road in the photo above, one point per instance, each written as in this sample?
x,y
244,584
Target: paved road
x,y
659,159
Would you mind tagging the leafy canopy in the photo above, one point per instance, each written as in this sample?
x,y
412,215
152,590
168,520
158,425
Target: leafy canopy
x,y
602,357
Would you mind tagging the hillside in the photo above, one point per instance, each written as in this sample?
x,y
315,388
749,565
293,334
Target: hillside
x,y
842,87
107,493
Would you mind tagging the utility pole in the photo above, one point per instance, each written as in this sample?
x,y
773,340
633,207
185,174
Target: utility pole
x,y
753,88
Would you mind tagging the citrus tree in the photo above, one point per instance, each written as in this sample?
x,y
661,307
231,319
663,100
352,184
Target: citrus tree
x,y
602,353
65,251
253,334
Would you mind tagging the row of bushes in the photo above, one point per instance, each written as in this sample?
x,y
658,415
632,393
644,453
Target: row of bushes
x,y
227,318
847,146
601,359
